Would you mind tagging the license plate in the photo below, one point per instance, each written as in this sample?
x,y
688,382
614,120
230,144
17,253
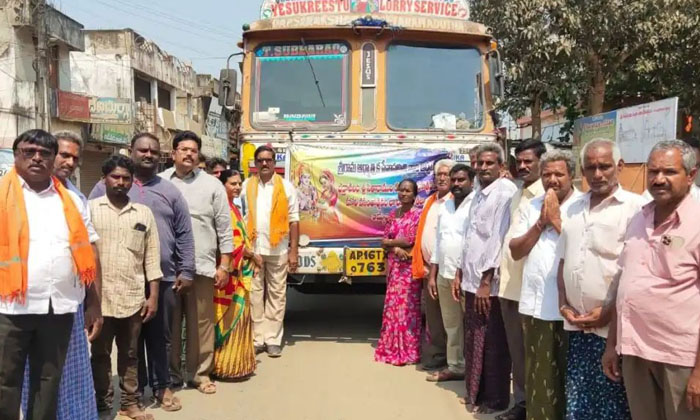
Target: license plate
x,y
365,262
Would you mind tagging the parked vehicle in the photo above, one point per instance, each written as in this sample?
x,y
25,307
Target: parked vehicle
x,y
7,159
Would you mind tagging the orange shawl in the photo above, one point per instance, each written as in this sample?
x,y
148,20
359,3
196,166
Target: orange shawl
x,y
417,265
279,216
14,238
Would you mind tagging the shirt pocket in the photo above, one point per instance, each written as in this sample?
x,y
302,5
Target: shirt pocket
x,y
667,262
606,240
135,241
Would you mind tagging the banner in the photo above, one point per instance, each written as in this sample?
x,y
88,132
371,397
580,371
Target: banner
x,y
111,111
346,193
112,133
456,9
635,129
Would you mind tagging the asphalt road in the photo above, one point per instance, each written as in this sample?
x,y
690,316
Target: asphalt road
x,y
327,372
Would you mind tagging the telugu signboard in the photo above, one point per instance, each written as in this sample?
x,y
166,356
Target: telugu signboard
x,y
455,9
73,107
111,111
635,129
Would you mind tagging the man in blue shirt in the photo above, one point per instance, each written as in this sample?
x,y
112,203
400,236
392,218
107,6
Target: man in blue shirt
x,y
177,262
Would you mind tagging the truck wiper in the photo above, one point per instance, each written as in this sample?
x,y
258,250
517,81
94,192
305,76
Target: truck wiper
x,y
313,73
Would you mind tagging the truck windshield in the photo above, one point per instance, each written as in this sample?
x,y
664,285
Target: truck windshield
x,y
301,85
434,87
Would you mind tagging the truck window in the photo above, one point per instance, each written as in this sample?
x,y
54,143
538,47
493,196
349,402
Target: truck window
x,y
301,85
434,87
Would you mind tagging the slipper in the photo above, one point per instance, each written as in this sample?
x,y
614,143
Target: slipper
x,y
139,416
518,412
207,388
170,403
444,376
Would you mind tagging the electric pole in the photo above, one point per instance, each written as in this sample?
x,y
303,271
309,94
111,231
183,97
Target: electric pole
x,y
43,113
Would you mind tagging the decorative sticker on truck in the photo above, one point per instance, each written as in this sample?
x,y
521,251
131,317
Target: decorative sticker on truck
x,y
347,192
456,9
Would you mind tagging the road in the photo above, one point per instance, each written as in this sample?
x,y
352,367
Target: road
x,y
327,372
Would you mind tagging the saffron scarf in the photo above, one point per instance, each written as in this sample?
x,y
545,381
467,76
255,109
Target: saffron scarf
x,y
279,216
417,265
14,238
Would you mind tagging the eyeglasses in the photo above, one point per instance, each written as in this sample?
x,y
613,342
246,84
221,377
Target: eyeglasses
x,y
264,160
30,152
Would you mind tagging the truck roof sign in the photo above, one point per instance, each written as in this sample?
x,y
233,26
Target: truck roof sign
x,y
453,9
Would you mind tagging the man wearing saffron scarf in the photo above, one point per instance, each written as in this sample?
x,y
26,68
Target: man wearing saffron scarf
x,y
211,226
433,354
273,225
46,260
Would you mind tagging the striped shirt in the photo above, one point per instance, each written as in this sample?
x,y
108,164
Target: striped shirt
x,y
129,254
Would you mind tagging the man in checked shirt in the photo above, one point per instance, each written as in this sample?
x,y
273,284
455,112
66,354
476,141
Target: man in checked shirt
x,y
130,253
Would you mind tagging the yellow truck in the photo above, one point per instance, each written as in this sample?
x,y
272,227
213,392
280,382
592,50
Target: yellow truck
x,y
354,96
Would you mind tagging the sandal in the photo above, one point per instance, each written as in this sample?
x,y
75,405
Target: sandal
x,y
207,388
167,402
444,376
518,412
137,415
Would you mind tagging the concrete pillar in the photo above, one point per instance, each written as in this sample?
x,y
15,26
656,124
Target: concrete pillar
x,y
189,106
154,93
173,101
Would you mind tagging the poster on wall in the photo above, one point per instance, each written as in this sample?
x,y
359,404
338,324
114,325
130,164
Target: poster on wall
x,y
636,129
348,194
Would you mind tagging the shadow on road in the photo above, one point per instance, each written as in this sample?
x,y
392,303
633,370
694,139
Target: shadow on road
x,y
333,318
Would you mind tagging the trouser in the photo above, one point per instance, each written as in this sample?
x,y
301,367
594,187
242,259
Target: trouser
x,y
453,322
125,331
434,348
516,345
154,343
545,368
44,340
197,307
268,299
656,391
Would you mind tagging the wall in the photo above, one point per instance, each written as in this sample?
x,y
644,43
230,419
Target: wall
x,y
106,75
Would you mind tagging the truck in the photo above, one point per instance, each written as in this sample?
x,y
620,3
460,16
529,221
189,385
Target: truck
x,y
354,96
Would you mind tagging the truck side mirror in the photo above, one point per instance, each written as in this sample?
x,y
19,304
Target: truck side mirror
x,y
497,79
227,87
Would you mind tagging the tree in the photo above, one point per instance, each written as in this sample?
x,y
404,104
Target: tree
x,y
537,60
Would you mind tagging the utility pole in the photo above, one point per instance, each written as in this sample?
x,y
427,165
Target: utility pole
x,y
43,114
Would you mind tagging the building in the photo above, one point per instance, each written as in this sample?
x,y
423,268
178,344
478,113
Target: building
x,y
23,103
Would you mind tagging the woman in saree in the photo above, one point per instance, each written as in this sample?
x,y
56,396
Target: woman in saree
x,y
399,341
234,356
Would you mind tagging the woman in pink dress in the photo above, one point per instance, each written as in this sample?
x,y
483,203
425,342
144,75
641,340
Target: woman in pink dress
x,y
399,342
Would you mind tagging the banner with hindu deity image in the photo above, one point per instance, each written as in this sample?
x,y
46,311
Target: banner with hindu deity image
x,y
346,192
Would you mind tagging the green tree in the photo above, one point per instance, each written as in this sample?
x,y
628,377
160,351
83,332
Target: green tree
x,y
537,60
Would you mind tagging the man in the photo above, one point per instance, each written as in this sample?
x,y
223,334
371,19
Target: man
x,y
589,245
130,255
535,239
433,353
211,225
694,143
655,307
215,166
487,362
176,263
527,159
234,159
46,261
273,226
75,396
444,263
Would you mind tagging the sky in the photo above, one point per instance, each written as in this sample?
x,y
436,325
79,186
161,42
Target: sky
x,y
202,32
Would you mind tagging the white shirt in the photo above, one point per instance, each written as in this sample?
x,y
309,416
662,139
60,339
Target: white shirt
x,y
50,269
429,237
450,231
262,215
590,243
539,296
488,222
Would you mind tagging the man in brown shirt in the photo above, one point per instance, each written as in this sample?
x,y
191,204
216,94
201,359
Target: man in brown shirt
x,y
130,255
